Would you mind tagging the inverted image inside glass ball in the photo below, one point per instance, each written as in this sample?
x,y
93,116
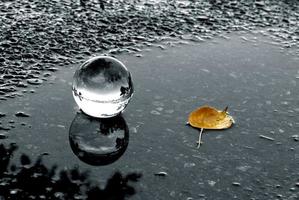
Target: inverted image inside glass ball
x,y
102,87
98,141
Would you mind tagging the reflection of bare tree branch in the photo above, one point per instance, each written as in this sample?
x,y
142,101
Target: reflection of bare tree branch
x,y
37,181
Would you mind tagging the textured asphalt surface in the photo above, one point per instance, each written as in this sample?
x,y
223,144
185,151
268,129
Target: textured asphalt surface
x,y
255,159
241,54
37,38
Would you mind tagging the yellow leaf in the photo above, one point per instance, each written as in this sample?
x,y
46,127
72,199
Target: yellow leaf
x,y
207,117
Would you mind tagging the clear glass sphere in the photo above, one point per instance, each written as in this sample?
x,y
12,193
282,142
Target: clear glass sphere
x,y
102,87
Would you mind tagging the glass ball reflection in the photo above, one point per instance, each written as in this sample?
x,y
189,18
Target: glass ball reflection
x,y
98,141
102,87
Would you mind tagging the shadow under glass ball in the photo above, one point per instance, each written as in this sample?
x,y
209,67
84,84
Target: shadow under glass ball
x,y
98,141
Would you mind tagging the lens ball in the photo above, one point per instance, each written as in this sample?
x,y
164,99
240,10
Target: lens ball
x,y
102,87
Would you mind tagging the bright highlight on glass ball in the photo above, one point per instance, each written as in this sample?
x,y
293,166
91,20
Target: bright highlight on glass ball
x,y
102,87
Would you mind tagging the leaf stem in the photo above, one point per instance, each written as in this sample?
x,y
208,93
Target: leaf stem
x,y
199,138
225,109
